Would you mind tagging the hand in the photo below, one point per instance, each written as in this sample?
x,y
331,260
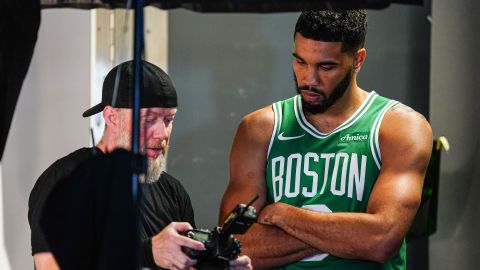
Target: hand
x,y
167,247
241,263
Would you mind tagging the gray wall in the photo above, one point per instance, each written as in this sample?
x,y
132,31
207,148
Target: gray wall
x,y
223,66
47,123
227,65
454,97
398,55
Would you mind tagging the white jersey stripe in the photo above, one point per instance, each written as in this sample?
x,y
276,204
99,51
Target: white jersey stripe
x,y
277,121
302,121
374,144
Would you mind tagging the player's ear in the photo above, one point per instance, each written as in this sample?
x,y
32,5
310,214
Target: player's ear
x,y
359,59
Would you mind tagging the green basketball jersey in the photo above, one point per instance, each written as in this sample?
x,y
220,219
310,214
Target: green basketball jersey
x,y
327,172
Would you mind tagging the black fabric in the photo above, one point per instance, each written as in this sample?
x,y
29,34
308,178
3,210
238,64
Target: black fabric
x,y
87,211
157,91
162,202
59,170
19,23
234,5
89,219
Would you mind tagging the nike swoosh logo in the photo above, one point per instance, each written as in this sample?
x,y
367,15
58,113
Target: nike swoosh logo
x,y
285,138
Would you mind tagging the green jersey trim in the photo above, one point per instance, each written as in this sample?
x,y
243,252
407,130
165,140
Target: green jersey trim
x,y
374,134
277,122
305,125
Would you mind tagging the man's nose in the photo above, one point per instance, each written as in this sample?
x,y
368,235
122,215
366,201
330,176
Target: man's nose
x,y
310,77
160,131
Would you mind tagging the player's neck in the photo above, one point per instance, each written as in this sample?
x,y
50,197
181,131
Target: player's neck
x,y
339,112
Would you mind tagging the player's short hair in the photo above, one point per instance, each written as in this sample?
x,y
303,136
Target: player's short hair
x,y
348,27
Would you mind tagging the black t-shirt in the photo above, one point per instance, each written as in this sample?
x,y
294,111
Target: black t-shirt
x,y
161,202
60,169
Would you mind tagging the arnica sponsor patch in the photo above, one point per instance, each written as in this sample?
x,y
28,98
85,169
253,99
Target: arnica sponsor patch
x,y
354,137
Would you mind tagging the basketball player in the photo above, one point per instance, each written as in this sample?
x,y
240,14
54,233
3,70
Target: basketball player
x,y
339,169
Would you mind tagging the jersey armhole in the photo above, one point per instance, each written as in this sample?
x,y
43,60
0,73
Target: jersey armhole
x,y
277,121
374,133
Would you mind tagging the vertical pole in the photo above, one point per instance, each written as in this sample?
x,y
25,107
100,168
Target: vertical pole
x,y
137,89
138,77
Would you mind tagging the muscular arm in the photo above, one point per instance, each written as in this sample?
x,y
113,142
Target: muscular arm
x,y
247,178
405,144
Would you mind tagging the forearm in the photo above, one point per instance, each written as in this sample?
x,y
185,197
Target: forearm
x,y
347,235
269,247
45,261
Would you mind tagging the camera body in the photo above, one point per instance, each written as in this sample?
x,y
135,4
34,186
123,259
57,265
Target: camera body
x,y
220,244
219,248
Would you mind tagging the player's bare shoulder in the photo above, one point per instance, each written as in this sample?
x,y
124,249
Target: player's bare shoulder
x,y
400,114
402,108
404,131
261,116
259,123
250,145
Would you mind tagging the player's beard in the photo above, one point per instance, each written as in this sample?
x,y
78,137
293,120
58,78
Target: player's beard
x,y
337,93
154,167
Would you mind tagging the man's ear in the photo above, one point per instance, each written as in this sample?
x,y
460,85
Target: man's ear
x,y
359,59
110,115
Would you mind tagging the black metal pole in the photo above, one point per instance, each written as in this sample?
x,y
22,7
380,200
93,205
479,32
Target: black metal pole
x,y
138,77
137,160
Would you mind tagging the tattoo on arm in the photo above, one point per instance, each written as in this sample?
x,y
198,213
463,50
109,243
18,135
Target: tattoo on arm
x,y
404,108
401,106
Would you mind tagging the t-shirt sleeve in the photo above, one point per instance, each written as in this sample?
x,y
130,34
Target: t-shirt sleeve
x,y
42,189
175,206
40,192
145,253
187,210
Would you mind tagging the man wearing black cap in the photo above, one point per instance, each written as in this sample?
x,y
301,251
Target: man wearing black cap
x,y
166,210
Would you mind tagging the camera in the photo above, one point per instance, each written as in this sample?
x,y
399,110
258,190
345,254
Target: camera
x,y
220,244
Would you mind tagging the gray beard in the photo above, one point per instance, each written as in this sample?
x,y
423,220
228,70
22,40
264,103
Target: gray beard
x,y
154,167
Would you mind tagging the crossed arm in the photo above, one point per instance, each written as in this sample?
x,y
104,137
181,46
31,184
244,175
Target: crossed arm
x,y
286,234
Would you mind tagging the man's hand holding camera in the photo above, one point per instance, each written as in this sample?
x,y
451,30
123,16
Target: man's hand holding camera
x,y
167,247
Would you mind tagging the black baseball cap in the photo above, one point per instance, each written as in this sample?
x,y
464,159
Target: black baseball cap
x,y
158,89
